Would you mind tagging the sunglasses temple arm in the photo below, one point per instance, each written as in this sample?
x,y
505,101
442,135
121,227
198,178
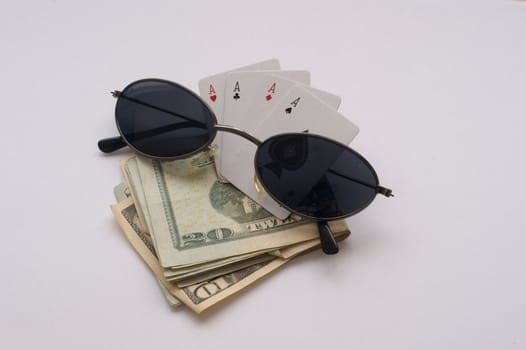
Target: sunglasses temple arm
x,y
379,189
111,144
327,240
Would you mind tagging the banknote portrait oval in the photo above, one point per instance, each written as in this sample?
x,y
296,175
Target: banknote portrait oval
x,y
219,234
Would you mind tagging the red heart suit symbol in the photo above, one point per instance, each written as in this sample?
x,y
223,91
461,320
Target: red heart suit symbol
x,y
268,97
213,98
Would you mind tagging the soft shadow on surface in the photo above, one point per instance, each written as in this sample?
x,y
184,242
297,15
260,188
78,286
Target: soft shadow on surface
x,y
123,152
114,229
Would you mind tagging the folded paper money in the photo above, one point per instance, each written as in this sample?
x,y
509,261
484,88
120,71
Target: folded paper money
x,y
204,240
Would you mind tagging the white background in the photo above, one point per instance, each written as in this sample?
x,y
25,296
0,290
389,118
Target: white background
x,y
438,89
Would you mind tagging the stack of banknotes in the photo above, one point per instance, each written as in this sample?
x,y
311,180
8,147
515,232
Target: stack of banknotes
x,y
204,240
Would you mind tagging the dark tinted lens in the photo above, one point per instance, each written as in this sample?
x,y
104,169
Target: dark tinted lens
x,y
314,176
163,119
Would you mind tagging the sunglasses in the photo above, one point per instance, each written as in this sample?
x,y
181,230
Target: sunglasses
x,y
309,175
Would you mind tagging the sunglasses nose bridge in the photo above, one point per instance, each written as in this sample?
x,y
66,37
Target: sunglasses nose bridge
x,y
239,132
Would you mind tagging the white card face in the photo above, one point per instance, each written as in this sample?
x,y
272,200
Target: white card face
x,y
301,110
238,163
261,91
211,90
241,89
271,90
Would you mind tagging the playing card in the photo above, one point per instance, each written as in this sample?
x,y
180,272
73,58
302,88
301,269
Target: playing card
x,y
241,90
270,90
302,111
238,163
211,89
